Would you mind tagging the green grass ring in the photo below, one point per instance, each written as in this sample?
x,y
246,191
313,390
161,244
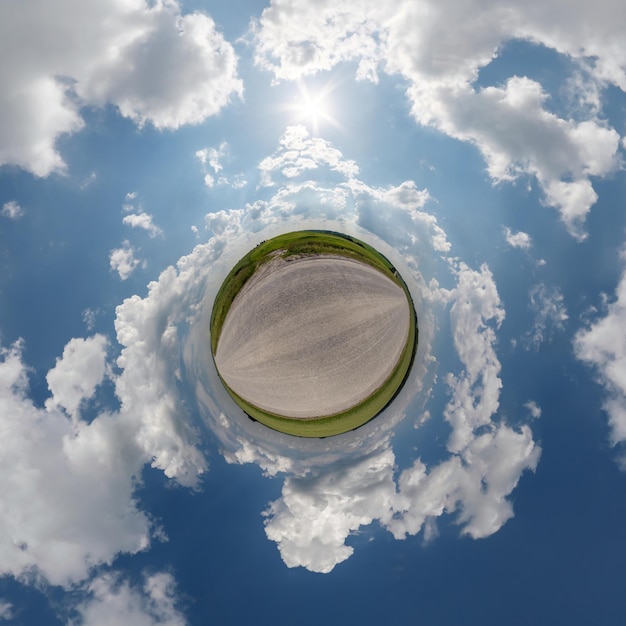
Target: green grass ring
x,y
316,243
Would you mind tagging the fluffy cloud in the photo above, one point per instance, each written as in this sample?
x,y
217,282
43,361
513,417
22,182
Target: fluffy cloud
x,y
603,346
123,261
76,375
519,239
314,517
115,601
475,315
144,221
298,153
518,136
58,475
439,47
297,37
476,484
147,386
488,457
12,210
154,64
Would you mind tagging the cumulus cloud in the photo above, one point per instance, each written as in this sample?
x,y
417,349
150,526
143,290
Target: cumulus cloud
x,y
518,136
603,346
12,210
488,457
153,63
476,484
475,315
144,221
550,314
312,519
520,239
59,473
115,601
299,152
439,47
123,261
57,476
76,375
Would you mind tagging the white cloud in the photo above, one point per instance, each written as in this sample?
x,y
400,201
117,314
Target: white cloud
x,y
550,314
487,457
89,317
88,180
12,210
142,220
57,477
123,261
533,408
239,181
298,38
476,484
223,222
212,157
439,47
154,64
517,136
114,601
475,315
129,201
76,375
520,239
60,475
6,610
603,346
312,519
147,328
299,153
212,164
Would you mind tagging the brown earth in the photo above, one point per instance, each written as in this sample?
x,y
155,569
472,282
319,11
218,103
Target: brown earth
x,y
312,336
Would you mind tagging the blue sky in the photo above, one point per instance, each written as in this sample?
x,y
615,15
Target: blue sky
x,y
146,146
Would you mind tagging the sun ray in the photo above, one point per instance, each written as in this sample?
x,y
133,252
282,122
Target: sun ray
x,y
313,108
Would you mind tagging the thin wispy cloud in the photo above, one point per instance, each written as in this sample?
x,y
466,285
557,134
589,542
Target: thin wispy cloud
x,y
12,210
548,306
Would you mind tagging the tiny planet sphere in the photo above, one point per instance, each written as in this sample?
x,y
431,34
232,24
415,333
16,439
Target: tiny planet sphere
x,y
318,338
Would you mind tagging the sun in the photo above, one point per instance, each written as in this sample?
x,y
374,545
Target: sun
x,y
313,109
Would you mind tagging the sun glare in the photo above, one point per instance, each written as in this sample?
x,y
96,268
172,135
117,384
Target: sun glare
x,y
313,109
